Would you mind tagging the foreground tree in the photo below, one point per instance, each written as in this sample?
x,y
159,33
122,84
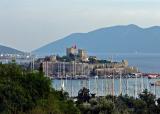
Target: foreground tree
x,y
24,92
150,100
83,95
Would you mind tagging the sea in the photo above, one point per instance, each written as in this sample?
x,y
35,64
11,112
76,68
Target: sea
x,y
145,62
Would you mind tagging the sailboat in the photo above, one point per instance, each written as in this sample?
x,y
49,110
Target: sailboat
x,y
62,85
157,83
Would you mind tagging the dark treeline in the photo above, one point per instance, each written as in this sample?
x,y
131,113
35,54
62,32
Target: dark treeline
x,y
26,92
146,103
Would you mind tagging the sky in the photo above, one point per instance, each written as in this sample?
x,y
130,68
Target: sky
x,y
29,24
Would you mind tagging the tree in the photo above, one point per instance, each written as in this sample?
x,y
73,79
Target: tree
x,y
24,92
41,68
124,104
83,95
106,106
140,107
149,99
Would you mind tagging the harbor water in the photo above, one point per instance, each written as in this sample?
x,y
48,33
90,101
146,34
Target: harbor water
x,y
103,87
146,62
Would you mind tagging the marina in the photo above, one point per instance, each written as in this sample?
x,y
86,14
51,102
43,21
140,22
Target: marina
x,y
108,86
79,57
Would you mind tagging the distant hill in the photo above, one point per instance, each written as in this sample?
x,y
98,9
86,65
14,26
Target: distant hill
x,y
8,50
116,39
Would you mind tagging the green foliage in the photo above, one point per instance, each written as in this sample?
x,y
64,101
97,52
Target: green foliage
x,y
144,104
83,95
92,60
106,106
66,58
24,92
148,97
139,106
97,106
150,100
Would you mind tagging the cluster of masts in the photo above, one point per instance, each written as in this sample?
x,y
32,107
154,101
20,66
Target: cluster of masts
x,y
85,82
109,87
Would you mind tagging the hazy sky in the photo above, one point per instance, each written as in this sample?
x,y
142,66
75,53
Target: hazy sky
x,y
29,24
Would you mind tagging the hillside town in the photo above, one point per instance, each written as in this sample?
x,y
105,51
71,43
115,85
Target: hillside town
x,y
78,64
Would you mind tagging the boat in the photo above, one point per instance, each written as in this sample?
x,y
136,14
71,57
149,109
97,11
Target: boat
x,y
157,83
152,76
96,77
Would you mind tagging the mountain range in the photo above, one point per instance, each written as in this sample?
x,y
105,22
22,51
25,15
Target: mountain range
x,y
8,50
117,39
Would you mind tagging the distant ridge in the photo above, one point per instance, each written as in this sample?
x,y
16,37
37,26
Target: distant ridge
x,y
8,50
117,39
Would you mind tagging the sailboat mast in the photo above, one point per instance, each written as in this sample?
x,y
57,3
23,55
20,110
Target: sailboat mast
x,y
154,88
32,62
113,84
148,85
75,65
64,70
141,83
72,77
127,84
96,83
47,68
58,71
135,87
82,69
102,88
120,83
89,84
